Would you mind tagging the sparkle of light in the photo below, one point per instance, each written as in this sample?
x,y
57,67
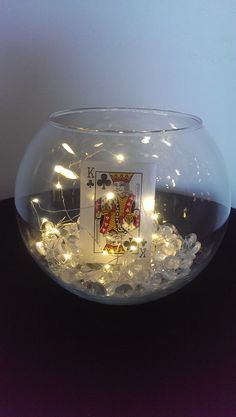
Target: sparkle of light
x,y
54,231
67,256
166,142
68,148
40,248
58,185
39,245
173,126
146,139
148,204
67,173
138,239
97,145
120,157
110,195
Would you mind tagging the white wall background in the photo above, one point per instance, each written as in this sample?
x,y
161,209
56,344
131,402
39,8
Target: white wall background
x,y
56,54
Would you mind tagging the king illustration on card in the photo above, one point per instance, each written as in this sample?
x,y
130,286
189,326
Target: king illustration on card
x,y
117,212
112,218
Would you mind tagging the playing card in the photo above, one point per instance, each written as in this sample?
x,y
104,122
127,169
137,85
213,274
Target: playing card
x,y
116,210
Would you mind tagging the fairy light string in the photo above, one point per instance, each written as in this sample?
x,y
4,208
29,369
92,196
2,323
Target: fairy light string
x,y
171,255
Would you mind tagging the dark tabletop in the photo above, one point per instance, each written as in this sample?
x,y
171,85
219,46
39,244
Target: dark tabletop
x,y
61,356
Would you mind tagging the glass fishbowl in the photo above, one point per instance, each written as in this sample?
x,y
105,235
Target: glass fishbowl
x,y
122,205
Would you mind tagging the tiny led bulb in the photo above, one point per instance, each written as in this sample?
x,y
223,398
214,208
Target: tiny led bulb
x,y
67,256
148,204
120,157
40,248
133,248
58,185
35,200
110,195
138,239
39,244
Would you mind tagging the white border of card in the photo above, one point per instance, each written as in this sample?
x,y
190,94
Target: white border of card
x,y
96,182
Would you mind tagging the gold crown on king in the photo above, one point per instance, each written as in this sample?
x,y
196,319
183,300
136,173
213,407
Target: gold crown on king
x,y
121,176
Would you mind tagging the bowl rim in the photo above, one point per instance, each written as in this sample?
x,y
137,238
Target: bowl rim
x,y
194,122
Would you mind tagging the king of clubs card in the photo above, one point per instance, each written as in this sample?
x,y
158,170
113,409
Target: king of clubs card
x,y
112,218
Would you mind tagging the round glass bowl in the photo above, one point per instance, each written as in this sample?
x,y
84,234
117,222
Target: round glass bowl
x,y
120,205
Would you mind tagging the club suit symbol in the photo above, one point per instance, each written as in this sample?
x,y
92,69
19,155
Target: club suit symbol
x,y
104,181
90,183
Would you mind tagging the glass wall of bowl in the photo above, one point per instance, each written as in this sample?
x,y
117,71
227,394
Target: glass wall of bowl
x,y
122,206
